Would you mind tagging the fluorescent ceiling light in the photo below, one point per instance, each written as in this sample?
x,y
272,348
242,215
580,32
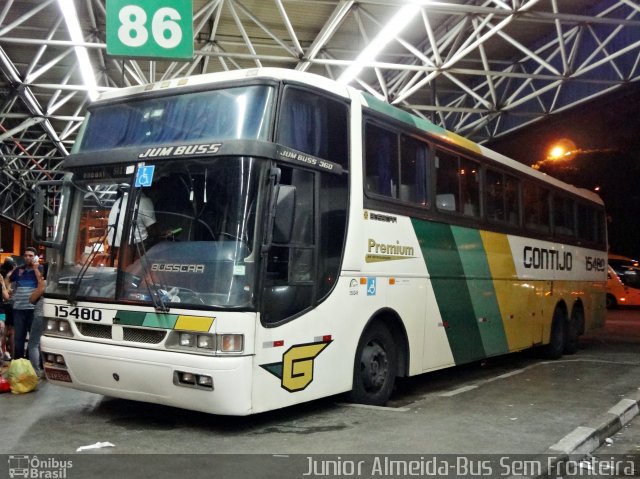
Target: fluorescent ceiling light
x,y
73,26
399,21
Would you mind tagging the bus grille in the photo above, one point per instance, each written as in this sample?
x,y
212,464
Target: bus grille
x,y
139,335
135,335
101,331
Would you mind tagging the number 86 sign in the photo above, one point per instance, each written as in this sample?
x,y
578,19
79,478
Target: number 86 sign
x,y
150,28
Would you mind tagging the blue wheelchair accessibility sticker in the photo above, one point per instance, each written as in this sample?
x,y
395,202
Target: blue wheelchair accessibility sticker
x,y
371,286
144,176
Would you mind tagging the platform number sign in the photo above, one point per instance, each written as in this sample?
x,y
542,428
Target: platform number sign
x,y
150,28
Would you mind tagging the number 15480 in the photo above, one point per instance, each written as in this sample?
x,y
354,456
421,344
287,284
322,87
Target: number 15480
x,y
86,314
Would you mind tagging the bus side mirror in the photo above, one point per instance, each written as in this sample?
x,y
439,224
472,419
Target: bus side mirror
x,y
43,217
284,214
39,217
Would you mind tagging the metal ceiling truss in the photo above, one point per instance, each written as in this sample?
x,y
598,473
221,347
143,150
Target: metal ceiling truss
x,y
482,68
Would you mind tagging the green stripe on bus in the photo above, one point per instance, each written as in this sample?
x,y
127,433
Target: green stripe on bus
x,y
155,320
420,123
481,289
444,264
131,318
403,116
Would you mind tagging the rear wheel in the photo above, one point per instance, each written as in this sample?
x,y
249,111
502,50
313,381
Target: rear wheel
x,y
572,332
375,367
555,348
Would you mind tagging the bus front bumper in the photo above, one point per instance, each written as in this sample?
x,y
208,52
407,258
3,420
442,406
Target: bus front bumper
x,y
154,376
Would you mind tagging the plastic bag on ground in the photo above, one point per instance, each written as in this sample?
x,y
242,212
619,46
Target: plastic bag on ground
x,y
22,377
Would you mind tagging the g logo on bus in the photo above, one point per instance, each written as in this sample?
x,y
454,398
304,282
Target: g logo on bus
x,y
296,369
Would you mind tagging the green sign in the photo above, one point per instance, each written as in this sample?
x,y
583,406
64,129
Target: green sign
x,y
150,28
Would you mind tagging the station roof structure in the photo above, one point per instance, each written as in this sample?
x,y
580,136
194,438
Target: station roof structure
x,y
481,68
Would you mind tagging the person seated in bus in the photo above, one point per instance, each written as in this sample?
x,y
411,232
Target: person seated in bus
x,y
145,218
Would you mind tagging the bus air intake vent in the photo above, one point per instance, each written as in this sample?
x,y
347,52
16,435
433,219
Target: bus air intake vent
x,y
101,331
141,335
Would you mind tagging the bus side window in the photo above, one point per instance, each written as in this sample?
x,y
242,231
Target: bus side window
x,y
413,170
501,197
457,184
563,216
536,207
447,188
314,124
381,161
591,224
512,200
494,195
470,187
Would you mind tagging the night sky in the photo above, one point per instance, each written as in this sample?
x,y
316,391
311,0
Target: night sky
x,y
607,130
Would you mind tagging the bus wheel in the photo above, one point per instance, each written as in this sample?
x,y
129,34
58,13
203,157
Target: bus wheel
x,y
611,302
555,348
375,366
572,333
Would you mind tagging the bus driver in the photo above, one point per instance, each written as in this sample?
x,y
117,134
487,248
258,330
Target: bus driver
x,y
145,216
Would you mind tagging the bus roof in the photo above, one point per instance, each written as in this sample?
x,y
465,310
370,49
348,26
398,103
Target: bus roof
x,y
352,93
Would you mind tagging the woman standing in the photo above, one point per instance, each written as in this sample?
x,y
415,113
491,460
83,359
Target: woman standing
x,y
6,311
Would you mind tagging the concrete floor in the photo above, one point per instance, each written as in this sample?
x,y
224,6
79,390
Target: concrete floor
x,y
511,405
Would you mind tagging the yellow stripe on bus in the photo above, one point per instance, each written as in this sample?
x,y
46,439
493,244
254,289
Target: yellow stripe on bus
x,y
194,323
514,296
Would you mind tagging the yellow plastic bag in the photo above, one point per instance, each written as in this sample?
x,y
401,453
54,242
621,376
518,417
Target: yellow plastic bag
x,y
22,377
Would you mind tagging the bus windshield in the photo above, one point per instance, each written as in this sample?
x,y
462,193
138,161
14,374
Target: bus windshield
x,y
224,114
187,240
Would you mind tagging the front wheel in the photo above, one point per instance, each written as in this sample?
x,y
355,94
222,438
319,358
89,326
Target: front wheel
x,y
375,367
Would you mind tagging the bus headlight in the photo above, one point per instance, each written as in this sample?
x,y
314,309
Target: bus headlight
x,y
64,328
206,341
57,327
187,340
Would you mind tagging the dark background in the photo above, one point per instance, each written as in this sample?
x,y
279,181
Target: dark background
x,y
606,133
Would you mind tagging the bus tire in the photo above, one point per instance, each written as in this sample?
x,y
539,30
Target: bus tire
x,y
611,301
572,333
375,366
555,348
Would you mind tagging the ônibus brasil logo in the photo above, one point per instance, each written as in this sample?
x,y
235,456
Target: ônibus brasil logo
x,y
33,467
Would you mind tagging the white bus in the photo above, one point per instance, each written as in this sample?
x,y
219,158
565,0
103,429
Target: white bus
x,y
244,241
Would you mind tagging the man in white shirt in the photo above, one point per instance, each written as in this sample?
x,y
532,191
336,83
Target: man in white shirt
x,y
146,217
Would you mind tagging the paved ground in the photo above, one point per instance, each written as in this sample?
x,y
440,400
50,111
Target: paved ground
x,y
506,406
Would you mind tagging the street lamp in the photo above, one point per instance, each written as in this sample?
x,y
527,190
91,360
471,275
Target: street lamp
x,y
566,150
575,165
563,149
